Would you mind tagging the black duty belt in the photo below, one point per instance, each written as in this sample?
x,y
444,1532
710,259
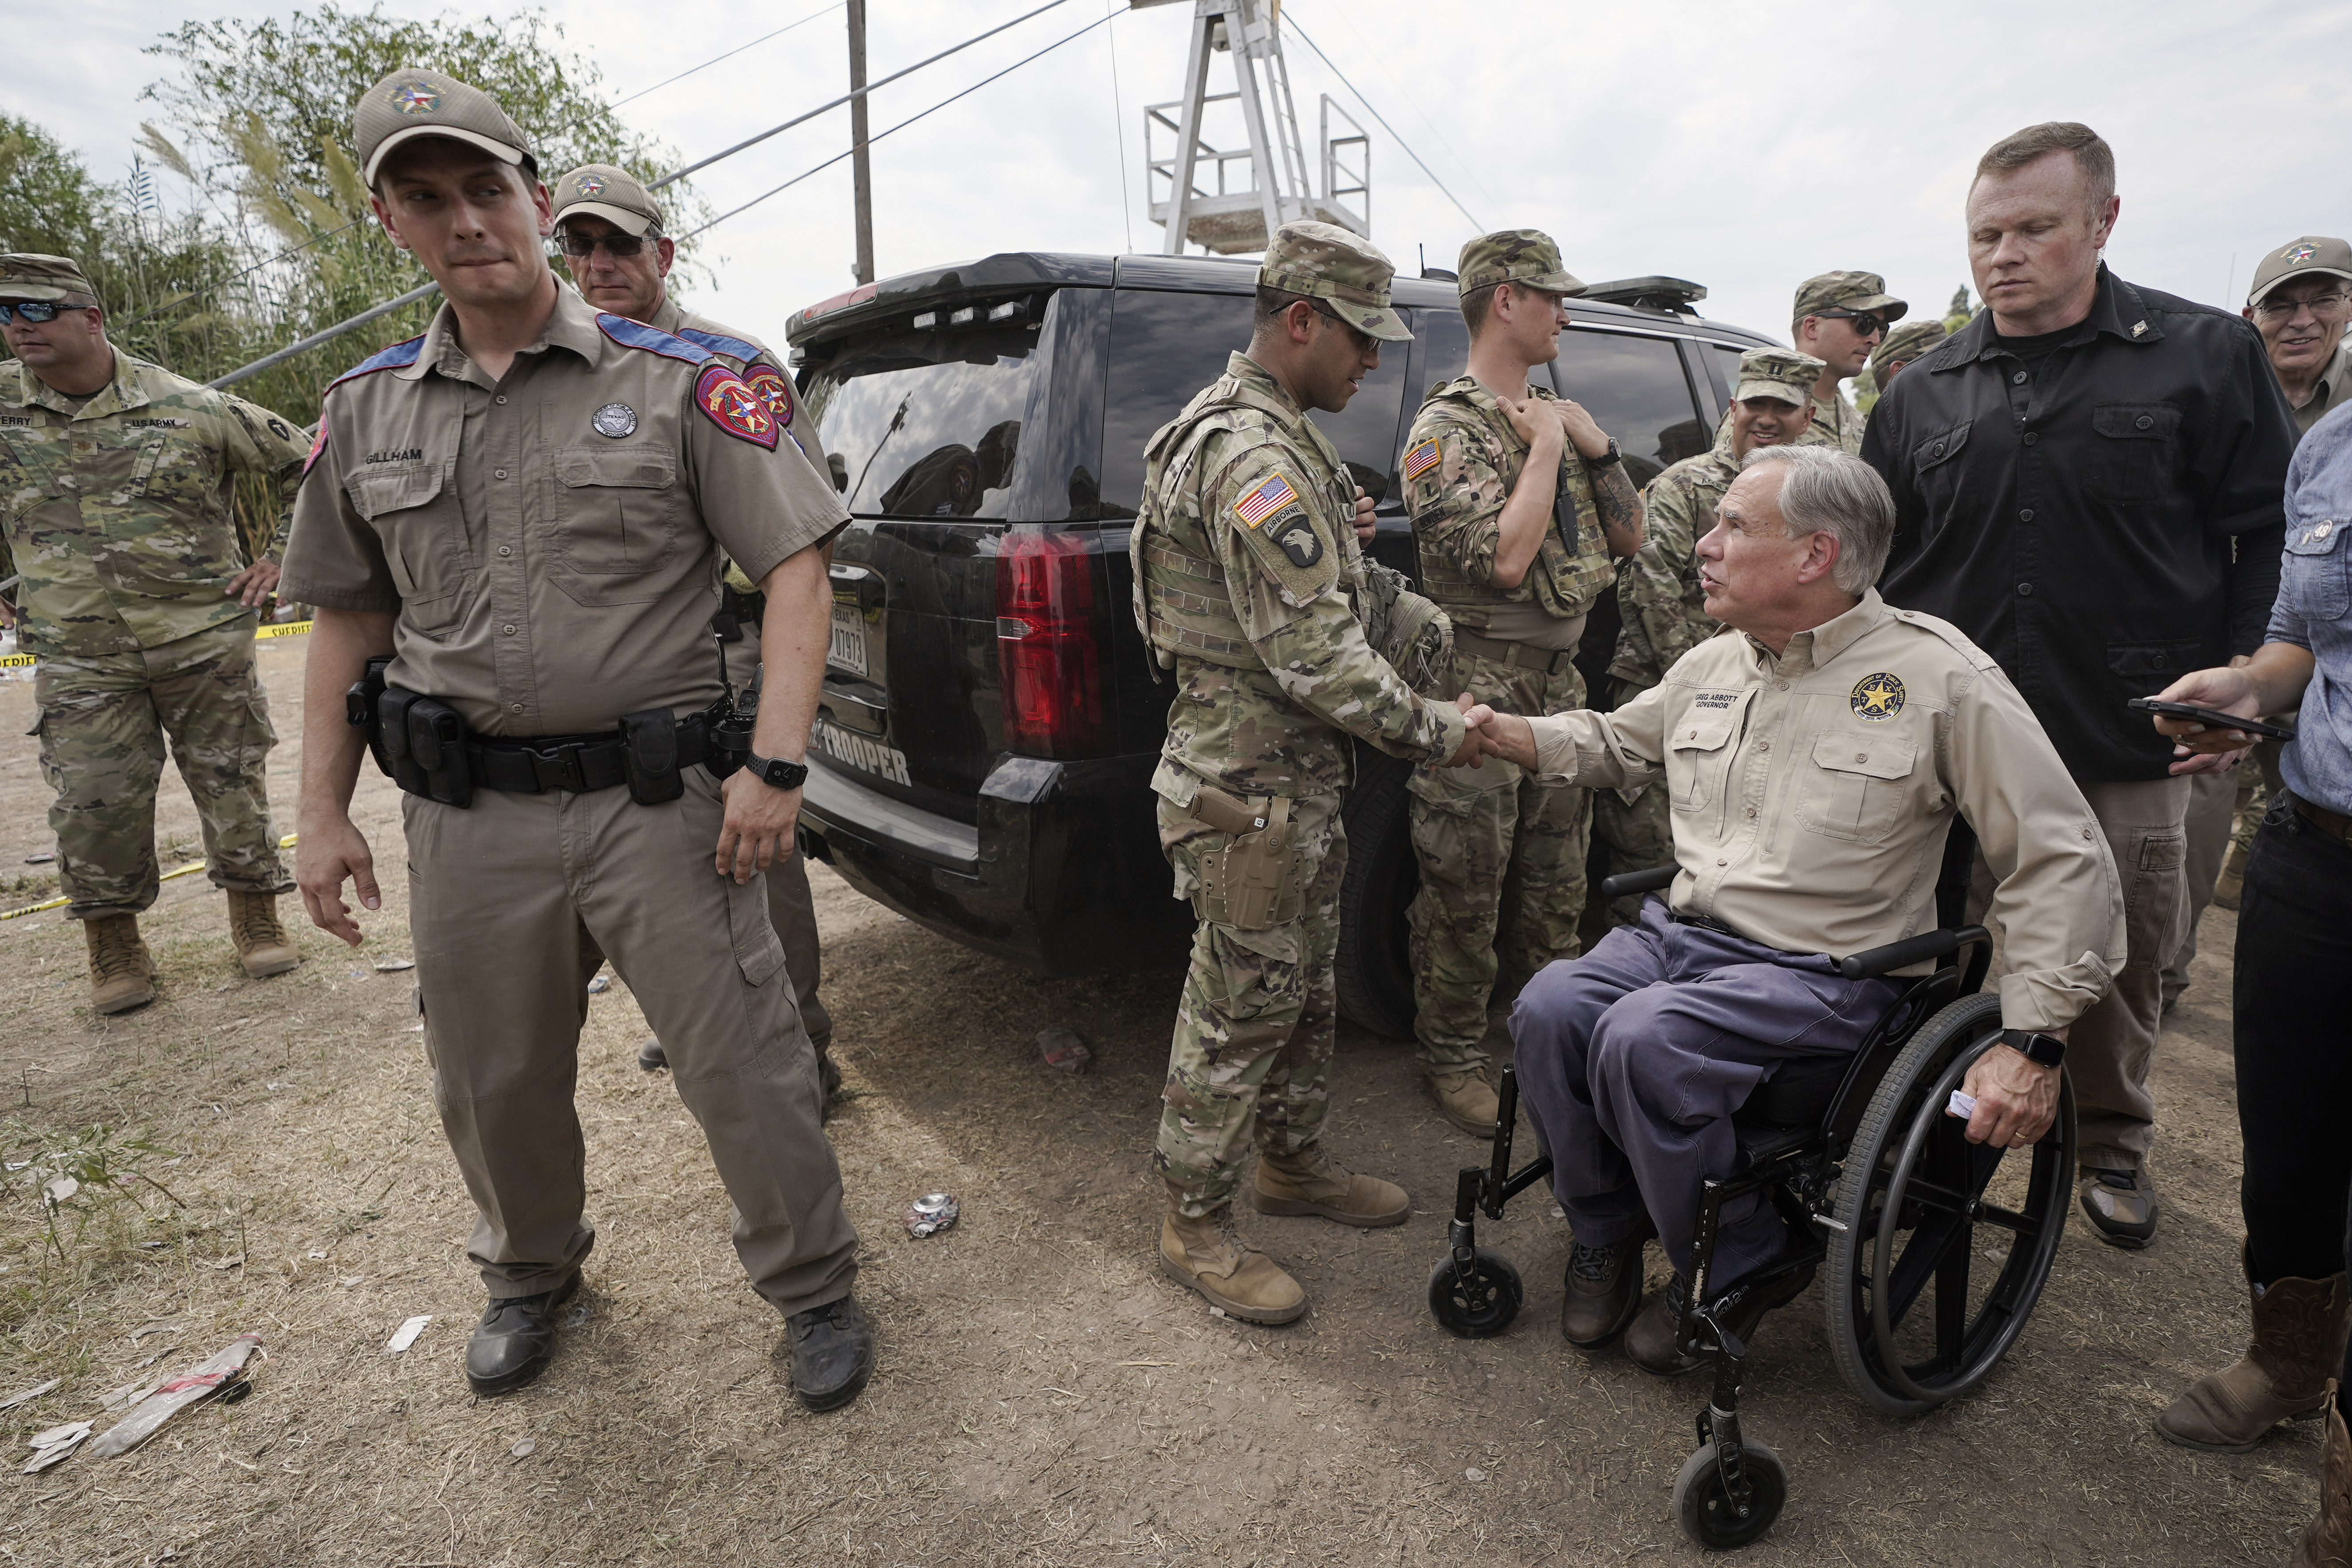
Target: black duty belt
x,y
1518,655
580,763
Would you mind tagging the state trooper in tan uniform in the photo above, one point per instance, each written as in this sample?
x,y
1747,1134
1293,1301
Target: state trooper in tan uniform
x,y
609,227
525,509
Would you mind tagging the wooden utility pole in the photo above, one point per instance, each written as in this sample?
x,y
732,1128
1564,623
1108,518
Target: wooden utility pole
x,y
861,160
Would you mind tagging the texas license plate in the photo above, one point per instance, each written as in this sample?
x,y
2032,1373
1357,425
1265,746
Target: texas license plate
x,y
849,650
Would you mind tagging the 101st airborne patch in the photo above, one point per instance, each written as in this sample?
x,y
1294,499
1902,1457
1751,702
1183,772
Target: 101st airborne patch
x,y
1876,697
735,407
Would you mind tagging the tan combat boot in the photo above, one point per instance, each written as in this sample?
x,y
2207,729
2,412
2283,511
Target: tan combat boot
x,y
122,971
1209,1256
1465,1099
2299,1327
1308,1183
261,943
2326,1540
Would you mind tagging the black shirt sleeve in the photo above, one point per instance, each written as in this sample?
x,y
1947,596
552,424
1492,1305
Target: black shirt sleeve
x,y
2250,439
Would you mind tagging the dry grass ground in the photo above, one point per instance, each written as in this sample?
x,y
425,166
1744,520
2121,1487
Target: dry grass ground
x,y
1044,1395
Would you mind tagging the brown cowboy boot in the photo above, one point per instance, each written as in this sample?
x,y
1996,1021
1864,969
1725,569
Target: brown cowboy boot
x,y
1308,1183
1209,1256
2299,1327
121,970
2326,1540
261,943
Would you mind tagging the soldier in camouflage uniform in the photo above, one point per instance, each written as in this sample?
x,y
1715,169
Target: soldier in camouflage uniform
x,y
1913,339
1662,610
609,227
114,489
1838,317
1519,505
1250,584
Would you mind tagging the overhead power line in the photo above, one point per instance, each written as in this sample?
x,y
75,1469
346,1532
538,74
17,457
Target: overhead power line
x,y
729,55
1391,129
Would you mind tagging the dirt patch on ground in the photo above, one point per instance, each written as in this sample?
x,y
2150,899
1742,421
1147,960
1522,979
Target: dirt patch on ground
x,y
1044,1396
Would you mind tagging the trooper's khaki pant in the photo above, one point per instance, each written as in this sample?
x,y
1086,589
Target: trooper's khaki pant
x,y
510,901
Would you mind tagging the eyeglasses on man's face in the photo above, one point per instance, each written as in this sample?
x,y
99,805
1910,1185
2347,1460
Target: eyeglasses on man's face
x,y
35,310
618,246
2288,310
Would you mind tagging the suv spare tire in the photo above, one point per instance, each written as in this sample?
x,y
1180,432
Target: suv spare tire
x,y
1375,967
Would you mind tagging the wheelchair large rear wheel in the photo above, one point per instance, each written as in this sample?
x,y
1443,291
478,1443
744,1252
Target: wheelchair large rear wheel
x,y
1945,1244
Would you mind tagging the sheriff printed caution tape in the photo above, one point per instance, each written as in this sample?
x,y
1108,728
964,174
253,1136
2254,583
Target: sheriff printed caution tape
x,y
267,629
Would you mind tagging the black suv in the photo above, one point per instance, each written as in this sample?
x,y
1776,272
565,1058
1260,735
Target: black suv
x,y
990,718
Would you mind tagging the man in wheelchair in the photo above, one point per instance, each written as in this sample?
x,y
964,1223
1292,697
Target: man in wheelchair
x,y
1814,755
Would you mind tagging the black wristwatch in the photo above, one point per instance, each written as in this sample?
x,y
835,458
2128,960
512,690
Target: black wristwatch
x,y
775,773
1606,458
2047,1050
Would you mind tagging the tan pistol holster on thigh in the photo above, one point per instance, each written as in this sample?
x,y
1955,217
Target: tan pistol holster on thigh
x,y
1259,880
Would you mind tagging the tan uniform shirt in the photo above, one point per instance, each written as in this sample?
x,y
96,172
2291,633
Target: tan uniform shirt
x,y
764,369
552,540
1811,795
2334,386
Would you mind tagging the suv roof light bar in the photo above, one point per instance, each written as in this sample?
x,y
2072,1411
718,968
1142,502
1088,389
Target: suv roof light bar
x,y
1676,296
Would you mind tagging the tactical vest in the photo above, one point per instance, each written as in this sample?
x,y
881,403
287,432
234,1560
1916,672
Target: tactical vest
x,y
1181,603
1572,567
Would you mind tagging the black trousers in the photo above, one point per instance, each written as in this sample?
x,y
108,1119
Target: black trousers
x,y
2294,1042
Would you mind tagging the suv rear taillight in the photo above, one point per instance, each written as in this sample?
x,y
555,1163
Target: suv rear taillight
x,y
1046,648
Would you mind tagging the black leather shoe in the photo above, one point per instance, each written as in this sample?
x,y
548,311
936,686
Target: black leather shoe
x,y
1601,1293
1650,1343
651,1058
833,1354
515,1340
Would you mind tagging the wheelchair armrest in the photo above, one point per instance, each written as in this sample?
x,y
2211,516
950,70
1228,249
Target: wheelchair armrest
x,y
1648,881
1911,949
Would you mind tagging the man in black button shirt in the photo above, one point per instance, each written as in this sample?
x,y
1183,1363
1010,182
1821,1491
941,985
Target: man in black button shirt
x,y
2087,483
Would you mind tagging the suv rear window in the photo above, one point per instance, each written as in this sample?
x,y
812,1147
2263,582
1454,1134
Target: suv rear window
x,y
928,424
1635,388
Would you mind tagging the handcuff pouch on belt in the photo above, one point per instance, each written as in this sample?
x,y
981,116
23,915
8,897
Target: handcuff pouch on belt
x,y
1259,880
425,739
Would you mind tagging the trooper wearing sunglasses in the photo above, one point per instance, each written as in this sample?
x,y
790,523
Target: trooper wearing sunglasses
x,y
1839,317
609,228
115,480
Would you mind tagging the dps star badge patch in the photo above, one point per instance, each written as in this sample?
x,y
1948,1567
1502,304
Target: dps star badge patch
x,y
770,383
615,419
1876,697
1298,538
2295,255
588,186
415,97
735,407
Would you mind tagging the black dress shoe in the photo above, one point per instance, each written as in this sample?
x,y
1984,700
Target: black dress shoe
x,y
515,1340
833,1354
651,1058
1602,1292
1650,1343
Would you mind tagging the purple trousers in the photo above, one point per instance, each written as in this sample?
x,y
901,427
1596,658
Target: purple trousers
x,y
1631,1058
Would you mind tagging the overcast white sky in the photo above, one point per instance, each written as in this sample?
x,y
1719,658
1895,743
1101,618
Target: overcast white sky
x,y
1746,147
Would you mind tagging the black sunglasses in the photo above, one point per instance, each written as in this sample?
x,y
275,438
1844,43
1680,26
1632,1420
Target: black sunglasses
x,y
37,310
616,245
1863,321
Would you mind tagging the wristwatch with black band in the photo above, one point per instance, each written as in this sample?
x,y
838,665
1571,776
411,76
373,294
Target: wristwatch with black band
x,y
775,773
1606,458
2047,1050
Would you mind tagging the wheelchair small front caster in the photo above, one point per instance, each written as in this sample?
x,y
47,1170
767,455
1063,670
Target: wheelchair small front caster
x,y
1475,1302
1704,1510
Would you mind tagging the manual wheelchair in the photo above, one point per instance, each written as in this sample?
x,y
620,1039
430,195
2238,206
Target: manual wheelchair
x,y
1936,1248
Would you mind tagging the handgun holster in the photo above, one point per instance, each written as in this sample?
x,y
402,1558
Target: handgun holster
x,y
1259,878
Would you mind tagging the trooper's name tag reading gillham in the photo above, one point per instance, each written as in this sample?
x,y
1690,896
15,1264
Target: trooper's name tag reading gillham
x,y
735,407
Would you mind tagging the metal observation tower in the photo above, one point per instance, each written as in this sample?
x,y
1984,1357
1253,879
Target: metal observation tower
x,y
1230,200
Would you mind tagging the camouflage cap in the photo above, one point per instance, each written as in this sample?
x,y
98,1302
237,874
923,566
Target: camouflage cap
x,y
1907,342
25,276
602,190
1347,271
2312,253
1847,291
413,102
1515,256
1783,374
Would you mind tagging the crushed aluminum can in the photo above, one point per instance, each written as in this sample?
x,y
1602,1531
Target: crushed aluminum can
x,y
931,1213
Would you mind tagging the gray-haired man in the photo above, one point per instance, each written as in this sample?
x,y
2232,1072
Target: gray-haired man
x,y
1815,764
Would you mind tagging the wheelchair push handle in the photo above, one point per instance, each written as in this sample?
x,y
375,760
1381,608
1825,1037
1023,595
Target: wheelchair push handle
x,y
1649,881
1911,949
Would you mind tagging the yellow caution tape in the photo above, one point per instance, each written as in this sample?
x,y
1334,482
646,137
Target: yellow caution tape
x,y
267,629
16,661
285,843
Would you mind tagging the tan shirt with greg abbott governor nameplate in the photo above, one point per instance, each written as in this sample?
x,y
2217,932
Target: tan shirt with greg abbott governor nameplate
x,y
1812,792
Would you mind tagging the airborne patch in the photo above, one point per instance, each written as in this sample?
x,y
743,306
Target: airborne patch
x,y
1420,458
735,407
1876,697
1298,538
770,383
1271,496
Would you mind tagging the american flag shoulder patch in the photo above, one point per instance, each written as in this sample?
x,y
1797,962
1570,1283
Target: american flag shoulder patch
x,y
1420,458
1272,494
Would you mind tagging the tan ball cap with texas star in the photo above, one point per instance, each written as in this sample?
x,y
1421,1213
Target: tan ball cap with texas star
x,y
27,276
2312,253
1783,374
413,102
1345,271
603,190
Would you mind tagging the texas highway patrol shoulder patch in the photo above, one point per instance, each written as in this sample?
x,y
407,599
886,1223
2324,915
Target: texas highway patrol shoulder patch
x,y
1876,697
735,407
318,444
770,383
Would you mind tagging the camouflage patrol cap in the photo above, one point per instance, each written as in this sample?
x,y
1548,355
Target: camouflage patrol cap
x,y
1907,342
413,102
602,190
1783,374
26,275
2312,253
1524,256
1345,271
1847,291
